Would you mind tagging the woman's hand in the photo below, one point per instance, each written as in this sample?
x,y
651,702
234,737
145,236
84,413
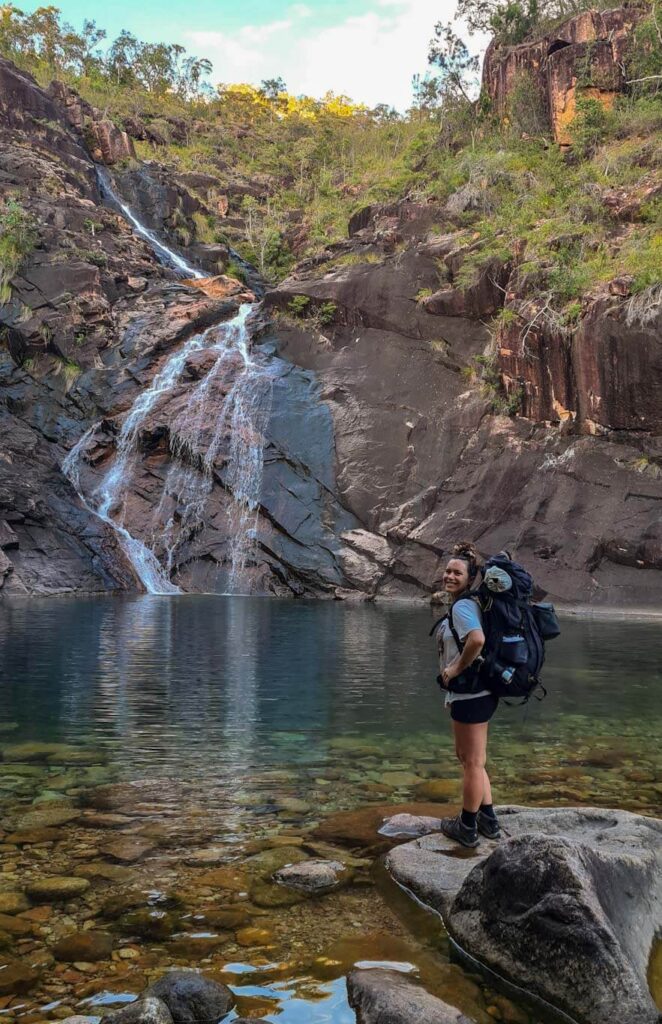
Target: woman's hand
x,y
451,671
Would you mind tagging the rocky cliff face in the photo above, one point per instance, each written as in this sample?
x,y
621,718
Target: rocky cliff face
x,y
379,446
582,57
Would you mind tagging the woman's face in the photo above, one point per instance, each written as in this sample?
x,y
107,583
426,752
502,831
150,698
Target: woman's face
x,y
456,576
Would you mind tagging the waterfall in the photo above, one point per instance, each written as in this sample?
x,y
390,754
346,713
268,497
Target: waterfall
x,y
196,437
162,252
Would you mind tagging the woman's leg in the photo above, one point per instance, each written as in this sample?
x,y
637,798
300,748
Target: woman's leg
x,y
471,749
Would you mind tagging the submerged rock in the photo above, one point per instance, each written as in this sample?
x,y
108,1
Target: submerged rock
x,y
567,907
13,902
192,998
314,877
145,1010
88,947
55,888
17,978
390,997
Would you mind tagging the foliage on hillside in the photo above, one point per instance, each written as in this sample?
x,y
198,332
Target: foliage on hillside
x,y
314,162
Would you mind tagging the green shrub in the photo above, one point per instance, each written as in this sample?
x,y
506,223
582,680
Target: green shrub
x,y
590,125
18,235
327,313
298,305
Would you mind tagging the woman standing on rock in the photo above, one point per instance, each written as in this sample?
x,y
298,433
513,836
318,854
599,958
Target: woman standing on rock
x,y
460,640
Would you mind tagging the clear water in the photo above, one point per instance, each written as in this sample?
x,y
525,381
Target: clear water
x,y
240,706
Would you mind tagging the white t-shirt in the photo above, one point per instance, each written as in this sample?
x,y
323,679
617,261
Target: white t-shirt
x,y
466,616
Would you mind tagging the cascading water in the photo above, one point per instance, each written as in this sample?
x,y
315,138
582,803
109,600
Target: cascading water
x,y
196,438
163,253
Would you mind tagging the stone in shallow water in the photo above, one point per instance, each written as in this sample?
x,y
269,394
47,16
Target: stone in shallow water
x,y
17,978
56,887
46,817
35,835
15,925
360,827
148,923
195,947
314,876
127,849
37,751
409,825
206,858
390,997
145,1010
254,936
192,998
13,902
108,820
99,869
88,946
442,790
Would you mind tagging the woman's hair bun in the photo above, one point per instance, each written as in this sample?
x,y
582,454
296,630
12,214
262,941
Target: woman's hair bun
x,y
466,549
468,552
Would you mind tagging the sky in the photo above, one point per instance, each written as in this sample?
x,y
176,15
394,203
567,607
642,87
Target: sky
x,y
366,49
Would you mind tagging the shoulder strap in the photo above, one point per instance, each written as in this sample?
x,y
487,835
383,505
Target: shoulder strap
x,y
456,636
437,625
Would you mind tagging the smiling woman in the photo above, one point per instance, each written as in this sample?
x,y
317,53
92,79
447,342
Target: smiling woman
x,y
460,640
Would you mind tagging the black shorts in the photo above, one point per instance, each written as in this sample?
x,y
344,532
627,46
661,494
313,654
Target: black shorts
x,y
474,710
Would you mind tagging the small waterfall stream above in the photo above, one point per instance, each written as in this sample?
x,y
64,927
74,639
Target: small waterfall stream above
x,y
196,435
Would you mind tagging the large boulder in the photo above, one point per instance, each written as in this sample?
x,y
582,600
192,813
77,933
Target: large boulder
x,y
567,907
381,996
192,998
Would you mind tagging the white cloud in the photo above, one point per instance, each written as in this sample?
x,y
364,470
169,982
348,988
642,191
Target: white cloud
x,y
370,57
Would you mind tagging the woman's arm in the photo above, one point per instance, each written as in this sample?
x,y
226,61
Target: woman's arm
x,y
474,642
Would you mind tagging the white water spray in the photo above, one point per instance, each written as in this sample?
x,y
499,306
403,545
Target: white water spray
x,y
244,412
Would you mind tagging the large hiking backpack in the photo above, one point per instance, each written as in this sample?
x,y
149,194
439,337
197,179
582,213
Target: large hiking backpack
x,y
515,630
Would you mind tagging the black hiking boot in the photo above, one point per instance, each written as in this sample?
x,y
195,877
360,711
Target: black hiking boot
x,y
488,826
455,829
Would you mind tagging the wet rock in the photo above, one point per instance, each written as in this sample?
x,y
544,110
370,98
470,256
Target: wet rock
x,y
36,751
254,936
127,850
587,879
443,790
56,888
87,946
105,820
194,948
206,858
101,870
390,997
79,1018
15,925
145,1010
17,978
46,817
191,997
409,825
148,923
314,877
13,902
360,827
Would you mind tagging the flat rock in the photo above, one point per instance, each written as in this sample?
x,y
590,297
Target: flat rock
x,y
56,887
208,858
17,978
34,835
127,850
108,820
13,902
108,872
409,825
191,997
360,827
145,1010
46,817
584,880
390,997
88,947
314,877
37,751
